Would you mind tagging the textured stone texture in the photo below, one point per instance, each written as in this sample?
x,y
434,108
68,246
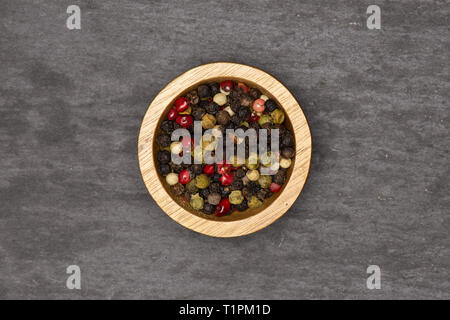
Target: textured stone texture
x,y
71,103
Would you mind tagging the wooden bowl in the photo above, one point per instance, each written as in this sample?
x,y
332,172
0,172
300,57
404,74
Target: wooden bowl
x,y
238,223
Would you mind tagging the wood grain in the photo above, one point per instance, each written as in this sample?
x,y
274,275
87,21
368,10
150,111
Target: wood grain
x,y
236,225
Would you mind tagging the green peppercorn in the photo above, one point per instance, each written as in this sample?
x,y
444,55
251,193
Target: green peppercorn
x,y
191,186
197,154
208,121
254,202
220,99
266,159
197,202
202,181
252,161
277,116
265,118
285,163
265,181
236,197
253,175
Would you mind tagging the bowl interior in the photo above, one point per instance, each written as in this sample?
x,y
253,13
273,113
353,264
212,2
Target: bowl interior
x,y
235,215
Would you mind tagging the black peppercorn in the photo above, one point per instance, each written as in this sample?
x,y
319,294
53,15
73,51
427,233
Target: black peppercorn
x,y
253,188
178,189
212,108
244,113
164,156
270,105
198,113
254,125
236,120
167,126
234,95
224,191
287,140
216,177
204,193
197,169
254,93
204,91
214,187
234,104
263,194
164,140
215,88
237,184
209,208
279,177
242,206
222,117
193,97
246,100
239,173
288,152
164,169
203,103
177,168
282,129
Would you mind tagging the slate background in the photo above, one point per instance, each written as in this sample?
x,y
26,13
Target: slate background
x,y
71,103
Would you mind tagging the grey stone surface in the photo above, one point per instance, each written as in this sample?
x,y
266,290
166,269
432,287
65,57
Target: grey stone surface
x,y
71,103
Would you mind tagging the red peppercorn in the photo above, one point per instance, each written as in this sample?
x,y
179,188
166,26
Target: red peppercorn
x,y
243,87
208,170
223,168
173,114
185,121
275,187
184,176
253,117
226,85
258,105
226,179
223,207
187,142
181,104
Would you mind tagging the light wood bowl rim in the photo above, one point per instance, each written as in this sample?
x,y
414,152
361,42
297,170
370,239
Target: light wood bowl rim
x,y
291,190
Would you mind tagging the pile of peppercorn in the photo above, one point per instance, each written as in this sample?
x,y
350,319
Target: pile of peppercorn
x,y
224,187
